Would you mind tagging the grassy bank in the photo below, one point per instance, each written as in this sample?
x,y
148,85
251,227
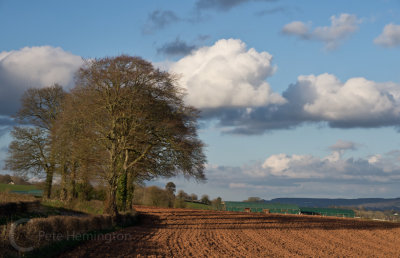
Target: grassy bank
x,y
6,197
93,207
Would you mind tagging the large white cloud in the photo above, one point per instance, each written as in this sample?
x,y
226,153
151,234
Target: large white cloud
x,y
341,27
356,103
33,67
227,74
390,36
358,100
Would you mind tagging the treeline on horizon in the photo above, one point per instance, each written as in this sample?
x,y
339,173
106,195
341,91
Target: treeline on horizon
x,y
18,180
167,197
123,123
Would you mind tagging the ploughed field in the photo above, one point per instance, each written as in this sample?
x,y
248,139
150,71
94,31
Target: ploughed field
x,y
183,233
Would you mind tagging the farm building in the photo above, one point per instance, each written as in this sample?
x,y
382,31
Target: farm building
x,y
328,212
262,207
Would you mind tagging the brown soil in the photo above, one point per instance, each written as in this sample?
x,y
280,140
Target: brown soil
x,y
183,233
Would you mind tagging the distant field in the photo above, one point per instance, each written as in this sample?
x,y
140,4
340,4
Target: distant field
x,y
198,206
7,187
27,189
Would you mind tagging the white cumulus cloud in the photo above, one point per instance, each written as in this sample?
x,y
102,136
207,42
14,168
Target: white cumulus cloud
x,y
341,27
283,164
33,67
390,36
297,28
227,74
355,103
356,100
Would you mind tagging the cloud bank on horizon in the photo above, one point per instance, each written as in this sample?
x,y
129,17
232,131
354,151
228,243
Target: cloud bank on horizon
x,y
304,174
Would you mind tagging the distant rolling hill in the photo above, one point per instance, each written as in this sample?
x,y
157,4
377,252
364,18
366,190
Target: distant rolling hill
x,y
365,203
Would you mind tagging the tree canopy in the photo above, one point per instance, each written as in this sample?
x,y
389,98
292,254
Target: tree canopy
x,y
124,122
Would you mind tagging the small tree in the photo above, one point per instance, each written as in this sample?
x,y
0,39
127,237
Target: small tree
x,y
31,149
180,199
182,195
193,197
5,179
170,187
253,199
205,199
158,197
217,203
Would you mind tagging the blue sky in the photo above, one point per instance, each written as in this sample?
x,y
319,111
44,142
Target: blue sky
x,y
299,99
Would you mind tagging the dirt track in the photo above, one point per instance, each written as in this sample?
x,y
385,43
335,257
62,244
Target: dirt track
x,y
183,233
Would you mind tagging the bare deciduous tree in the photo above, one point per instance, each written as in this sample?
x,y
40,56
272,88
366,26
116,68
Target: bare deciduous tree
x,y
135,118
31,151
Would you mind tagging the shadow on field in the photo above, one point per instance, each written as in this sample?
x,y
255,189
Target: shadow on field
x,y
127,242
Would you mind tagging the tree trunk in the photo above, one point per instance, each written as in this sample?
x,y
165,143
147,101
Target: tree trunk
x,y
111,205
72,191
130,190
64,183
49,182
122,192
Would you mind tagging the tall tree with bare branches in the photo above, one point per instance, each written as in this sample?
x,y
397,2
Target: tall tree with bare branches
x,y
136,115
31,151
